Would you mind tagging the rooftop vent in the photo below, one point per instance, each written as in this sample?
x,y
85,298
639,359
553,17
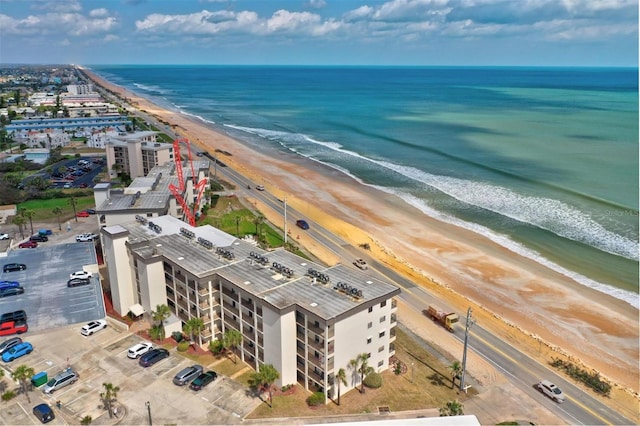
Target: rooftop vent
x,y
189,234
141,219
206,243
348,289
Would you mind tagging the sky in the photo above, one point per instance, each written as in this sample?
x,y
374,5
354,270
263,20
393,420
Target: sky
x,y
601,33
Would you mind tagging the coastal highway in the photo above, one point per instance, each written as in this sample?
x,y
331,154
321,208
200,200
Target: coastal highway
x,y
522,371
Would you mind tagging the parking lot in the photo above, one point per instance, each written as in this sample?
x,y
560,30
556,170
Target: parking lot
x,y
47,300
103,358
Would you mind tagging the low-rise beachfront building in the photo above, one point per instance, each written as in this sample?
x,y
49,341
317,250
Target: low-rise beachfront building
x,y
136,153
148,196
307,320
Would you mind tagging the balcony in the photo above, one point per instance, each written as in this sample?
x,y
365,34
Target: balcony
x,y
206,333
301,352
317,361
260,341
317,330
394,319
204,304
316,345
392,349
202,291
231,294
248,304
183,304
394,304
231,309
392,335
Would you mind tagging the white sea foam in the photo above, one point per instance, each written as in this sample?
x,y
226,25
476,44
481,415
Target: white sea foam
x,y
153,89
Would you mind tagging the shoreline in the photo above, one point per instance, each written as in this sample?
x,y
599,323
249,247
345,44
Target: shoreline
x,y
508,292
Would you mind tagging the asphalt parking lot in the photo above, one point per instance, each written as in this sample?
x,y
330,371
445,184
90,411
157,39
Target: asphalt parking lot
x,y
103,358
47,300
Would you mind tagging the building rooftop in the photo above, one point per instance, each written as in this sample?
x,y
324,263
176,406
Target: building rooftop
x,y
278,277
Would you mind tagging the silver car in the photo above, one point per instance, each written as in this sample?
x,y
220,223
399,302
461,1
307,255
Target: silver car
x,y
186,375
61,380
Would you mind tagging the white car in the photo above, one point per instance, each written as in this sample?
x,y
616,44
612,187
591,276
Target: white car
x,y
4,236
135,351
86,237
360,263
551,390
93,326
80,274
260,187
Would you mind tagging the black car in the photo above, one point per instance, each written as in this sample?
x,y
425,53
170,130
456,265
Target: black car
x,y
39,238
44,413
13,316
153,356
203,380
12,267
90,211
9,343
11,291
75,282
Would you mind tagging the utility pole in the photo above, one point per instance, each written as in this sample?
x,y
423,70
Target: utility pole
x,y
468,325
285,220
148,404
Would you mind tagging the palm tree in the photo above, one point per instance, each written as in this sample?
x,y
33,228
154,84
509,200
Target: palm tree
x,y
361,365
265,378
1,374
237,219
58,212
194,326
341,378
29,214
23,375
161,313
232,339
72,201
456,370
109,396
258,220
452,408
19,221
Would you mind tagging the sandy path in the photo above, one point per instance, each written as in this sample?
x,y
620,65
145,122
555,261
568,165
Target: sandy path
x,y
545,313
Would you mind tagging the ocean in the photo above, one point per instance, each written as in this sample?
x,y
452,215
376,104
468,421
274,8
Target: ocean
x,y
543,161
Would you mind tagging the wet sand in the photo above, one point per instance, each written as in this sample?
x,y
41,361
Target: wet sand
x,y
541,311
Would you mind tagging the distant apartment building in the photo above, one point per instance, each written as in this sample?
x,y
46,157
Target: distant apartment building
x,y
136,153
81,89
305,319
48,139
68,124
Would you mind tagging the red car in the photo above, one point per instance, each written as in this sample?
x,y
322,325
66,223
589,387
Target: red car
x,y
83,213
28,244
11,327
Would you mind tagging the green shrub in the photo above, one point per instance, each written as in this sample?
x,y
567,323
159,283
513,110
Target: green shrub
x,y
373,380
183,346
216,346
8,395
316,399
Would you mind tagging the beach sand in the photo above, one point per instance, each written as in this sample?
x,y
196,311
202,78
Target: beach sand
x,y
545,314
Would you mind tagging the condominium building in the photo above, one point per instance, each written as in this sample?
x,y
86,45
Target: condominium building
x,y
136,153
307,320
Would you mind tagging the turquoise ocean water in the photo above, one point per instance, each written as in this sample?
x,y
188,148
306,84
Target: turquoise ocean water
x,y
544,161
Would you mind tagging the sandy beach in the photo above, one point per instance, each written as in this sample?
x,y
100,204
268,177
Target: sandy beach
x,y
542,312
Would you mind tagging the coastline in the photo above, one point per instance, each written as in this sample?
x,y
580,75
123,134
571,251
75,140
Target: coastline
x,y
522,301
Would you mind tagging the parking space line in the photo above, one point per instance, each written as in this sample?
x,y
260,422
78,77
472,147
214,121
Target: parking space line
x,y
25,411
81,310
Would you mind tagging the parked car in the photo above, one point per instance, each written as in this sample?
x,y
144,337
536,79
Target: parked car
x,y
11,291
16,351
13,327
39,238
7,344
80,274
4,236
86,237
9,284
67,186
13,267
137,350
20,315
82,185
92,327
360,263
28,244
77,282
90,211
203,380
302,224
44,413
83,213
551,390
187,374
153,356
45,232
62,379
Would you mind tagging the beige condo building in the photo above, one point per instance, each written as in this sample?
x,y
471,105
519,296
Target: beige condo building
x,y
136,153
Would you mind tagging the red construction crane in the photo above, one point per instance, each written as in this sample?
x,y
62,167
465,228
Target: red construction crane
x,y
198,185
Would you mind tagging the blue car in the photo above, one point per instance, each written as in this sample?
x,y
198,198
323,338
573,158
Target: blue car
x,y
9,284
17,351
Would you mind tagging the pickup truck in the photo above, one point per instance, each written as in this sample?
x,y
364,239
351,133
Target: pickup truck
x,y
13,327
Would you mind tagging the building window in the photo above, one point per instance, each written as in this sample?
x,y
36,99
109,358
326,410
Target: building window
x,y
368,340
383,304
370,325
381,334
380,364
380,349
370,309
383,318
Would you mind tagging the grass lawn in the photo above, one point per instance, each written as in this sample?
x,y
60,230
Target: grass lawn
x,y
43,208
427,386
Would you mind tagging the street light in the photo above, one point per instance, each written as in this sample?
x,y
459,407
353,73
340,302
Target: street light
x,y
148,405
285,220
470,322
